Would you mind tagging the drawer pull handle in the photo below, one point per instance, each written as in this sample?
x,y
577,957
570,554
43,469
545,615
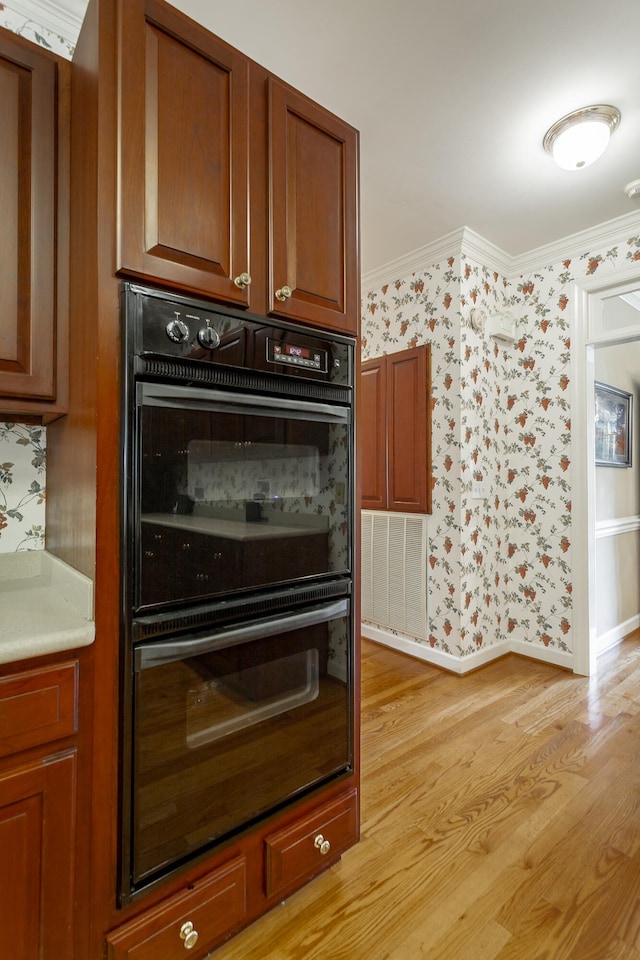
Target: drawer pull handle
x,y
322,845
189,935
242,281
283,293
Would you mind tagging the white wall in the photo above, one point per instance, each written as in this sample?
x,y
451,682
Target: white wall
x,y
618,508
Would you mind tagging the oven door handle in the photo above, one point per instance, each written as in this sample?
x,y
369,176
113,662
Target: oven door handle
x,y
219,401
154,654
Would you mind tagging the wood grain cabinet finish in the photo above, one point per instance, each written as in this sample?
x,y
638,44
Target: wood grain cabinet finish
x,y
373,430
191,923
313,164
302,849
34,133
37,828
396,431
38,707
191,135
184,154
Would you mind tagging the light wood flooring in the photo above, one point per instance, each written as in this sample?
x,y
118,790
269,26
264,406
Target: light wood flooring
x,y
500,820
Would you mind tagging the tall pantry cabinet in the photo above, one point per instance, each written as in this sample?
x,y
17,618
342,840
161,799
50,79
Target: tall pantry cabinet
x,y
196,170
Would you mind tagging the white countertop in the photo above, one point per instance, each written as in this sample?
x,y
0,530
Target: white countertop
x,y
229,529
45,606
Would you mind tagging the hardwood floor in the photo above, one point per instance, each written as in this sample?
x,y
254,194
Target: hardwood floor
x,y
500,820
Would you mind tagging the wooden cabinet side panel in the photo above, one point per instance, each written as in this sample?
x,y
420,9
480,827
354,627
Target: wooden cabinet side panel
x,y
27,220
183,155
407,386
313,166
37,824
373,406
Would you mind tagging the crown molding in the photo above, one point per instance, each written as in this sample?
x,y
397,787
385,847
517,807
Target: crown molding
x,y
465,241
414,261
484,252
61,19
595,238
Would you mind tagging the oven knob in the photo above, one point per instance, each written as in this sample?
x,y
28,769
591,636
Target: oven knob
x,y
177,330
208,337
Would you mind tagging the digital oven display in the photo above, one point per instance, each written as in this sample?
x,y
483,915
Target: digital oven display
x,y
297,355
291,350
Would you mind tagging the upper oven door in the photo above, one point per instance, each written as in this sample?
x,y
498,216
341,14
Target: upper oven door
x,y
235,492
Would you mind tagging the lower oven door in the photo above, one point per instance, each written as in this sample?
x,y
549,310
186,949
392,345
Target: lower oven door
x,y
228,726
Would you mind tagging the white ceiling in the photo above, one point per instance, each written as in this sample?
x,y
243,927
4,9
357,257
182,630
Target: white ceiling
x,y
452,99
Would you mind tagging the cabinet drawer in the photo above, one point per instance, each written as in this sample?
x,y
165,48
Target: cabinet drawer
x,y
38,707
298,851
193,920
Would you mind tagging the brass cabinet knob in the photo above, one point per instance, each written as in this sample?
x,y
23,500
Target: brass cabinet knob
x,y
243,280
283,293
322,845
189,935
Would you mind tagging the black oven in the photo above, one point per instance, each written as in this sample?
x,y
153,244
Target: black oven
x,y
237,620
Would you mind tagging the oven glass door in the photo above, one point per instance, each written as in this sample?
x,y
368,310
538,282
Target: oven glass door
x,y
229,725
237,492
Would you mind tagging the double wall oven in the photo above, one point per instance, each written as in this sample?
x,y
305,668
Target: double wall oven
x,y
237,622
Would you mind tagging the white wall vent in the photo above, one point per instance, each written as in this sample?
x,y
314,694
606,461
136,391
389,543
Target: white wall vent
x,y
394,571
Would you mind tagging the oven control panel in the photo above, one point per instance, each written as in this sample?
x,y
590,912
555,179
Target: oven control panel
x,y
170,327
297,355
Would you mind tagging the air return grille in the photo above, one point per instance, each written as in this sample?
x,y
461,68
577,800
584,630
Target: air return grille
x,y
394,571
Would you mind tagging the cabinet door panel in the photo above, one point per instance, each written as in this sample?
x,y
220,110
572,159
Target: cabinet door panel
x,y
313,159
184,155
408,448
373,415
27,221
37,819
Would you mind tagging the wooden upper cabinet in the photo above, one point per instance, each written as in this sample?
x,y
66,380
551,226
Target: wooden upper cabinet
x,y
231,184
373,419
396,431
313,164
34,132
408,420
184,149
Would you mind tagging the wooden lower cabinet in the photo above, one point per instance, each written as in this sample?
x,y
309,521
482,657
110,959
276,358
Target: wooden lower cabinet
x,y
302,849
266,866
38,707
37,851
196,919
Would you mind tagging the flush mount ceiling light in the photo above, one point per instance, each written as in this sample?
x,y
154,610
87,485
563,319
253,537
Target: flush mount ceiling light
x,y
577,140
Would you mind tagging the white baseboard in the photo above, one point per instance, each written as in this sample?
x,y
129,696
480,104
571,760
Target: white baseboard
x,y
545,654
609,639
430,655
474,660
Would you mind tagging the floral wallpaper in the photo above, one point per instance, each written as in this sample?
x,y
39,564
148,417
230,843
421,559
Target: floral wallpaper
x,y
499,567
22,487
13,17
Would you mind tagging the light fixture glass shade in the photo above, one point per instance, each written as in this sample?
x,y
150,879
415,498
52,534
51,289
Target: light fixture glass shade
x,y
581,145
577,140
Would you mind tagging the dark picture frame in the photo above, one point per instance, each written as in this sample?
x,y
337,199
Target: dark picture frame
x,y
613,423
